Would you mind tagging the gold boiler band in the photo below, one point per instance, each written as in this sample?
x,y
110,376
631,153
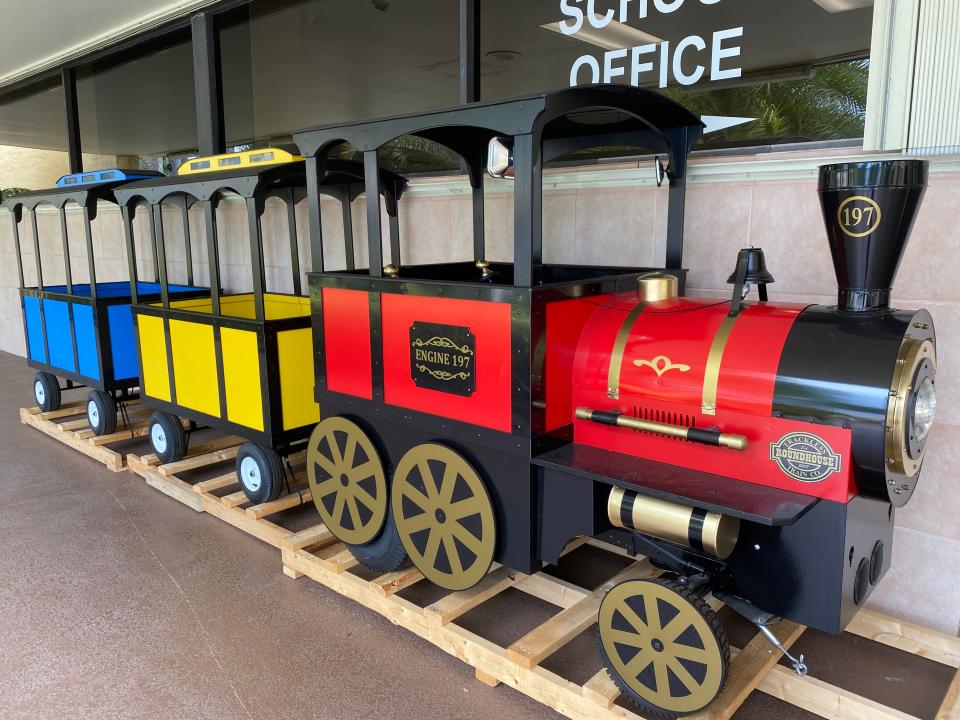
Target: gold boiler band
x,y
701,530
651,287
711,374
681,432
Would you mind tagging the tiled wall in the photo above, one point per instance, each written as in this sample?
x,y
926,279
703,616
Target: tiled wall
x,y
625,225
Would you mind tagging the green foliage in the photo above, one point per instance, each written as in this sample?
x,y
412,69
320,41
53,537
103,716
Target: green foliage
x,y
831,105
12,192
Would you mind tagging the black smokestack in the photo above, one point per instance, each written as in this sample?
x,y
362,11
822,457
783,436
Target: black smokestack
x,y
869,208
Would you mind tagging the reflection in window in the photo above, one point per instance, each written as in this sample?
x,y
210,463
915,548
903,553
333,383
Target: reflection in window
x,y
317,62
139,112
801,67
33,140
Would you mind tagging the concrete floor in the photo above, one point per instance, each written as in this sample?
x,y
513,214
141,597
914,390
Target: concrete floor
x,y
117,602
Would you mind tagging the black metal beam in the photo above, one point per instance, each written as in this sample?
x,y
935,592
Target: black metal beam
x,y
207,84
469,51
69,79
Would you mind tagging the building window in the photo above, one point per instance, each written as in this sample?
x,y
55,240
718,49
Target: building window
x,y
797,68
316,62
33,139
138,109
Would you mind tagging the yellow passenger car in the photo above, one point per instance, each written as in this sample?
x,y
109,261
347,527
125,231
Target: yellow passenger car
x,y
238,362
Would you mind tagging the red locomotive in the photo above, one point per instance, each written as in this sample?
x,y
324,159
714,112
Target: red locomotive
x,y
480,412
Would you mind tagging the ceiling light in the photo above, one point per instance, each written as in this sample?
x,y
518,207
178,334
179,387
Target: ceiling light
x,y
614,36
835,6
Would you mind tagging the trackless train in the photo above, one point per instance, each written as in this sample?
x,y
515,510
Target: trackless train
x,y
480,412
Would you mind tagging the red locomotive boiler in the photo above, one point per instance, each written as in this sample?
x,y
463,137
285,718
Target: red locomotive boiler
x,y
479,412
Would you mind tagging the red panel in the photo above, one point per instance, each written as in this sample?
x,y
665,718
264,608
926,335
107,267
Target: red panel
x,y
565,320
346,342
489,405
752,465
662,379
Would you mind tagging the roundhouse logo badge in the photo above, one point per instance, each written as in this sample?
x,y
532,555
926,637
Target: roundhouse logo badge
x,y
805,457
661,364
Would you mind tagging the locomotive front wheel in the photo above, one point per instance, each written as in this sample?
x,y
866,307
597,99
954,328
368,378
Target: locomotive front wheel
x,y
260,472
663,646
46,391
168,438
347,481
444,516
101,412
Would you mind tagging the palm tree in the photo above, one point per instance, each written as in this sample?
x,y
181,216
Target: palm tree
x,y
831,105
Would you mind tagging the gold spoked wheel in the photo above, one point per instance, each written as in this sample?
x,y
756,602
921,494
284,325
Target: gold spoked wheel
x,y
347,480
664,647
444,516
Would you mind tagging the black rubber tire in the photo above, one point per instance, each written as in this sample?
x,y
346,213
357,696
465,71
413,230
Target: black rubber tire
x,y
385,553
106,410
716,626
174,436
50,387
270,469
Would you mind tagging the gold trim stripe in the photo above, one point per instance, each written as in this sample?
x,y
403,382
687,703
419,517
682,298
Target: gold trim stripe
x,y
711,374
619,346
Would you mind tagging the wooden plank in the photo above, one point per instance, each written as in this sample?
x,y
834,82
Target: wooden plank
x,y
537,683
312,537
198,461
74,424
218,483
284,503
135,431
824,699
232,500
553,590
488,680
392,582
907,636
261,529
748,669
110,459
456,604
546,639
601,689
336,558
171,486
950,707
74,408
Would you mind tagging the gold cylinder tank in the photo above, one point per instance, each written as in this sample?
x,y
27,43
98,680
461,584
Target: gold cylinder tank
x,y
710,532
655,286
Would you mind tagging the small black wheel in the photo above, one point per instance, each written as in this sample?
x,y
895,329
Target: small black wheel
x,y
385,553
46,391
260,472
663,646
168,437
101,412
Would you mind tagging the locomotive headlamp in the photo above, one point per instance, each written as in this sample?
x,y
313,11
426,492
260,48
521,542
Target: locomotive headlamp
x,y
924,409
500,157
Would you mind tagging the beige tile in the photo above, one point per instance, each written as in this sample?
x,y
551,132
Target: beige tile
x,y
498,226
927,269
425,233
715,228
11,336
559,227
923,584
935,505
615,226
786,221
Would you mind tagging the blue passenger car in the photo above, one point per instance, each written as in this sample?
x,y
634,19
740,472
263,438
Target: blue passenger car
x,y
83,332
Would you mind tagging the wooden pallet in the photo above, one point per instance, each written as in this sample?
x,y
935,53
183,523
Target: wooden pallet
x,y
69,425
314,553
204,495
